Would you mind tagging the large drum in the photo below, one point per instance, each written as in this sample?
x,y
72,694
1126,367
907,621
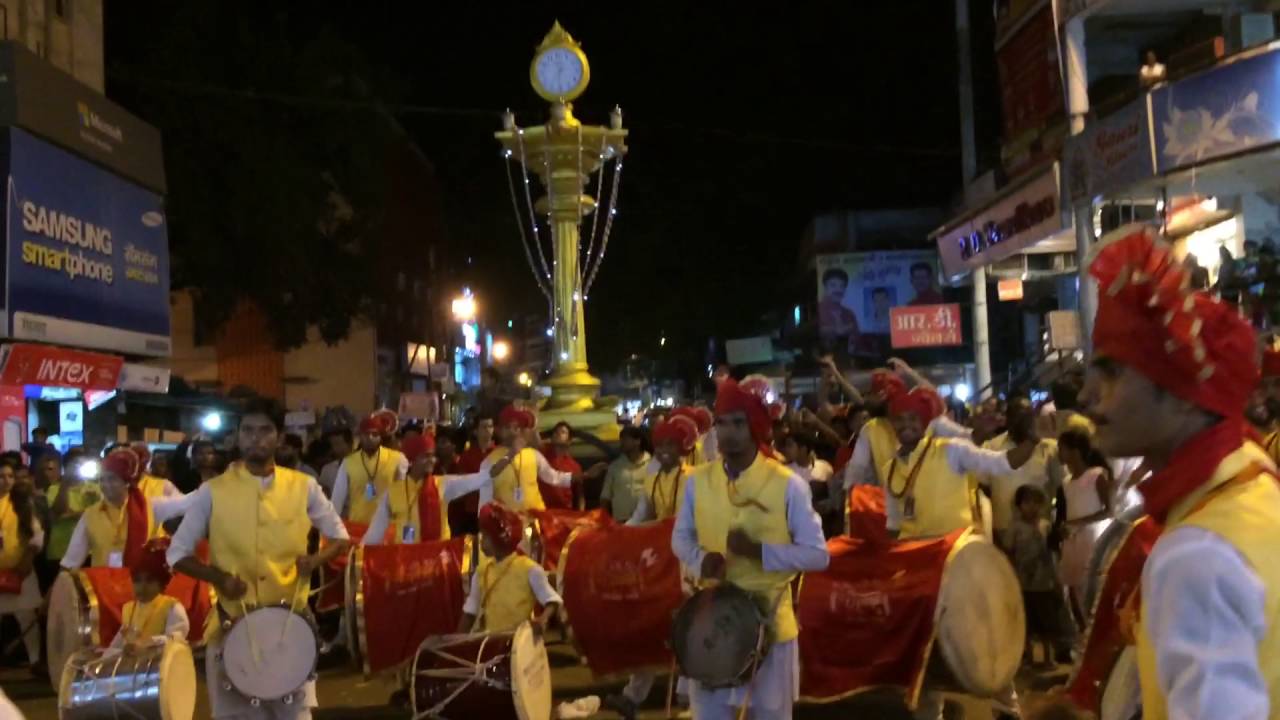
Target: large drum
x,y
896,603
156,683
269,654
333,591
85,608
498,676
720,635
552,529
621,587
403,594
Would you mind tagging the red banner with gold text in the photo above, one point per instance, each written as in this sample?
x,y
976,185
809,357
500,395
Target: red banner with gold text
x,y
555,526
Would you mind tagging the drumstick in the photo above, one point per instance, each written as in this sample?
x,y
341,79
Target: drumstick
x,y
671,688
248,629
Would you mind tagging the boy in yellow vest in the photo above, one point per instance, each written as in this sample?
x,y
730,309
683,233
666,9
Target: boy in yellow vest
x,y
1170,376
113,531
367,473
505,592
416,509
256,517
749,521
151,616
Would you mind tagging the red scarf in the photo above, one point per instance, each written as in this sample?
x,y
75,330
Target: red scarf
x,y
429,510
137,512
1190,467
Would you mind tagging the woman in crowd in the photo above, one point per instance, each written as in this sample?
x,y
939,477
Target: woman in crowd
x,y
1088,493
21,539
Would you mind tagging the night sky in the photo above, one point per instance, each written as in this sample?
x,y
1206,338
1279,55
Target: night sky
x,y
744,124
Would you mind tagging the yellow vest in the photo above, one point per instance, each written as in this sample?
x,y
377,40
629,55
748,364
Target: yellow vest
x,y
720,507
505,593
402,502
148,621
884,445
521,475
360,472
14,547
1247,515
151,486
1272,446
665,491
107,528
940,495
257,534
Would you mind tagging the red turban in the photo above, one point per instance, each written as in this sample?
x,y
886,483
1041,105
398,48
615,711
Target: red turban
x,y
512,415
503,527
887,384
415,446
678,429
370,424
1189,343
703,418
923,402
125,464
388,421
152,561
144,455
732,398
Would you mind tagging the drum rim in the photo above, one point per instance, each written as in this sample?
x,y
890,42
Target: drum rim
x,y
82,627
146,673
172,648
454,638
525,630
762,642
230,624
1130,653
93,618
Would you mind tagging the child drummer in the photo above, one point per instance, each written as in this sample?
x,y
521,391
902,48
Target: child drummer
x,y
151,616
505,592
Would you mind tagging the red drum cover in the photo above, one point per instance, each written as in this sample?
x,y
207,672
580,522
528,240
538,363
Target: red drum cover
x,y
621,588
409,592
867,620
867,514
333,592
1106,637
555,526
108,589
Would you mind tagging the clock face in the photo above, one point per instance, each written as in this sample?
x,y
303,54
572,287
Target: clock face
x,y
559,70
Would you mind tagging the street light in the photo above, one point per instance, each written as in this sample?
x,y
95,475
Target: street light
x,y
524,379
464,307
501,350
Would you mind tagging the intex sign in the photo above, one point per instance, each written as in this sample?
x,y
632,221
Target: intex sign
x,y
29,364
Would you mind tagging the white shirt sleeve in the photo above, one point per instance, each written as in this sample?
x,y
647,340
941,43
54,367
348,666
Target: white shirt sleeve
x,y
551,476
684,537
171,490
322,515
177,625
402,467
540,584
807,551
194,527
455,486
339,494
1206,616
378,525
165,508
77,548
859,470
965,457
472,605
643,512
943,426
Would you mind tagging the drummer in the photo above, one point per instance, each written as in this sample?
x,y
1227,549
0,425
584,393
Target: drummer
x,y
505,592
112,532
748,489
151,616
256,517
367,473
516,468
1170,376
416,508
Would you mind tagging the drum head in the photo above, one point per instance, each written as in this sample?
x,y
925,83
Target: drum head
x,y
530,676
980,621
1122,695
352,610
715,635
71,666
177,682
269,653
64,634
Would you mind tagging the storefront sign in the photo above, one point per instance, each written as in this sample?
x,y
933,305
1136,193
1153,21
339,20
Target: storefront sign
x,y
1008,290
1018,220
144,378
423,406
88,254
30,364
1222,111
1064,330
857,290
1112,154
925,326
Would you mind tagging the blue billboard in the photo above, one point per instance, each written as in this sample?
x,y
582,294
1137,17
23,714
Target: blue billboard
x,y
88,254
1225,110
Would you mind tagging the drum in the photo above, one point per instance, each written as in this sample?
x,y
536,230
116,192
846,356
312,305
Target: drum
x,y
269,653
1122,695
332,594
156,683
720,636
621,586
403,594
85,609
1104,551
552,528
499,676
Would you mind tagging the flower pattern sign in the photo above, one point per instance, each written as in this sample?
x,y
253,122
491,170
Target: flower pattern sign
x,y
1223,111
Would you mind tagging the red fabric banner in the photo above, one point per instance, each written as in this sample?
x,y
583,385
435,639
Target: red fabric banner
x,y
878,600
111,588
621,588
333,593
558,498
1109,629
867,514
555,526
411,592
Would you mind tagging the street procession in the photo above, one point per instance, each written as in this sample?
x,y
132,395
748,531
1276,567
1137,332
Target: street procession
x,y
299,420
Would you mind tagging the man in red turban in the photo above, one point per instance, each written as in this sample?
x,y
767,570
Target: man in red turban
x,y
415,508
506,592
367,473
517,470
112,532
749,489
1170,376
